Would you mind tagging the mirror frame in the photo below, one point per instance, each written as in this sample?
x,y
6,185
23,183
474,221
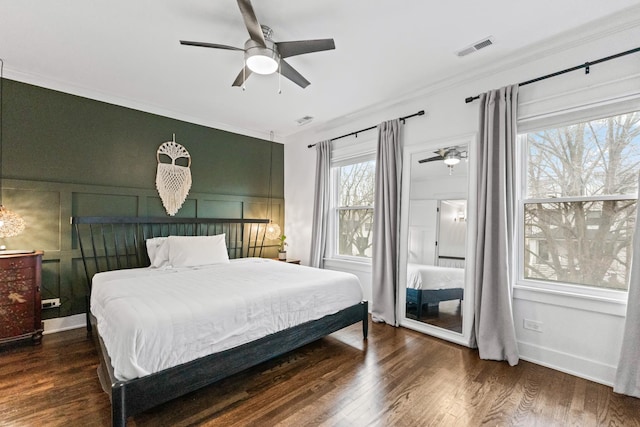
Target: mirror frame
x,y
410,157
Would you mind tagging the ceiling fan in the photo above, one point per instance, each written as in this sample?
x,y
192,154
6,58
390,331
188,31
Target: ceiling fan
x,y
264,56
451,156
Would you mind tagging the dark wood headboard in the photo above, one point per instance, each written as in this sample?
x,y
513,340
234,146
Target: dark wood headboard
x,y
117,242
113,243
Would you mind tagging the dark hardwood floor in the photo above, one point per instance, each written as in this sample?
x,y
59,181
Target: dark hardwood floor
x,y
396,378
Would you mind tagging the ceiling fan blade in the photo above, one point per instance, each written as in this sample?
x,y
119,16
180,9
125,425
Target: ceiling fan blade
x,y
212,45
431,159
288,49
242,77
289,72
251,22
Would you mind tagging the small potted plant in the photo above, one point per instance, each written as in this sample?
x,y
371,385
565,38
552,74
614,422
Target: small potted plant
x,y
282,252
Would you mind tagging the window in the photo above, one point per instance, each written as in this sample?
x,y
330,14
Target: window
x,y
354,189
578,202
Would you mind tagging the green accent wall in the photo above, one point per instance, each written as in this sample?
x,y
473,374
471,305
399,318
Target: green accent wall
x,y
53,136
65,155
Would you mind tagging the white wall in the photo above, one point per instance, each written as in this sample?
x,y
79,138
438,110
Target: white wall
x,y
453,232
578,336
423,231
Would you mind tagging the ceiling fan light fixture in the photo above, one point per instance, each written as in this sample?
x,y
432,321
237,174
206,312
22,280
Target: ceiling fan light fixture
x,y
260,59
451,158
261,64
264,56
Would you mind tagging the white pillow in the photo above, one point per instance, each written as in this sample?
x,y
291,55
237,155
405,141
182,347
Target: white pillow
x,y
158,251
190,251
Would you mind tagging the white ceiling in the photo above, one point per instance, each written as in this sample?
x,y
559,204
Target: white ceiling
x,y
127,52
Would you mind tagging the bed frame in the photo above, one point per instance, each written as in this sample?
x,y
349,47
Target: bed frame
x,y
110,243
432,297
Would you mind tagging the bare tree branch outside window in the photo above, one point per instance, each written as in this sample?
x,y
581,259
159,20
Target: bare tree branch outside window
x,y
580,203
355,209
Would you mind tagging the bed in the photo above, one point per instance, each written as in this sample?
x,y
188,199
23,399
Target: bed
x,y
429,285
166,329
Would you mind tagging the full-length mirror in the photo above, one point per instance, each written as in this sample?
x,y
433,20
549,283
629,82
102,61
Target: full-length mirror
x,y
436,237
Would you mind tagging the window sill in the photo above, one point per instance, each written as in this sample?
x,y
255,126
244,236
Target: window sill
x,y
599,300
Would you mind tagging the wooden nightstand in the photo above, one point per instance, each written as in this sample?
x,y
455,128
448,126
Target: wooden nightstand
x,y
288,260
20,307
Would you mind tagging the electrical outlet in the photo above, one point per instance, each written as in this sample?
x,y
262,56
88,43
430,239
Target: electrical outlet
x,y
51,303
532,325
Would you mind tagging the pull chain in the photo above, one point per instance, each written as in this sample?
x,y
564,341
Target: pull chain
x,y
279,75
244,77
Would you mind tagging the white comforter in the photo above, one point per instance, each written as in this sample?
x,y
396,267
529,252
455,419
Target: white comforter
x,y
152,319
420,276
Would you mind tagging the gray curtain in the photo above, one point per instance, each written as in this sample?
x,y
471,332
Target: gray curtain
x,y
321,204
628,373
494,330
386,223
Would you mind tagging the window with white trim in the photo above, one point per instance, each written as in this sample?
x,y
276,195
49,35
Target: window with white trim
x,y
354,184
577,205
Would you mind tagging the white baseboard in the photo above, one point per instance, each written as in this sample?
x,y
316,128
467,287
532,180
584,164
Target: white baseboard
x,y
568,363
60,324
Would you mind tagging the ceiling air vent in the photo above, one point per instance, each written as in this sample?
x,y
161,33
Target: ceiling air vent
x,y
488,41
304,120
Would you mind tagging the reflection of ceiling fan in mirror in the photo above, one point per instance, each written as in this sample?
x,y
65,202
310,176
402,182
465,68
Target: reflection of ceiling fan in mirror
x,y
451,156
265,56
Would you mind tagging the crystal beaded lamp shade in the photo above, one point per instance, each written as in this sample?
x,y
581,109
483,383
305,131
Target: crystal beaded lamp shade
x,y
11,224
273,231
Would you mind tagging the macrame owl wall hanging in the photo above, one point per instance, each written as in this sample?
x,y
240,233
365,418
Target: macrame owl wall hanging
x,y
173,181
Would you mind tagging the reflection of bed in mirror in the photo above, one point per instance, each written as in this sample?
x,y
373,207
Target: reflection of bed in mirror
x,y
428,285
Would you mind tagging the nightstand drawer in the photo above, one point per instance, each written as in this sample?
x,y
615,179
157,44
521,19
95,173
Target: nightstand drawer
x,y
17,293
10,275
17,310
16,262
13,324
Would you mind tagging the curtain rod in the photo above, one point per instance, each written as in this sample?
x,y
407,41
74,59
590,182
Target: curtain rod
x,y
402,119
586,66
